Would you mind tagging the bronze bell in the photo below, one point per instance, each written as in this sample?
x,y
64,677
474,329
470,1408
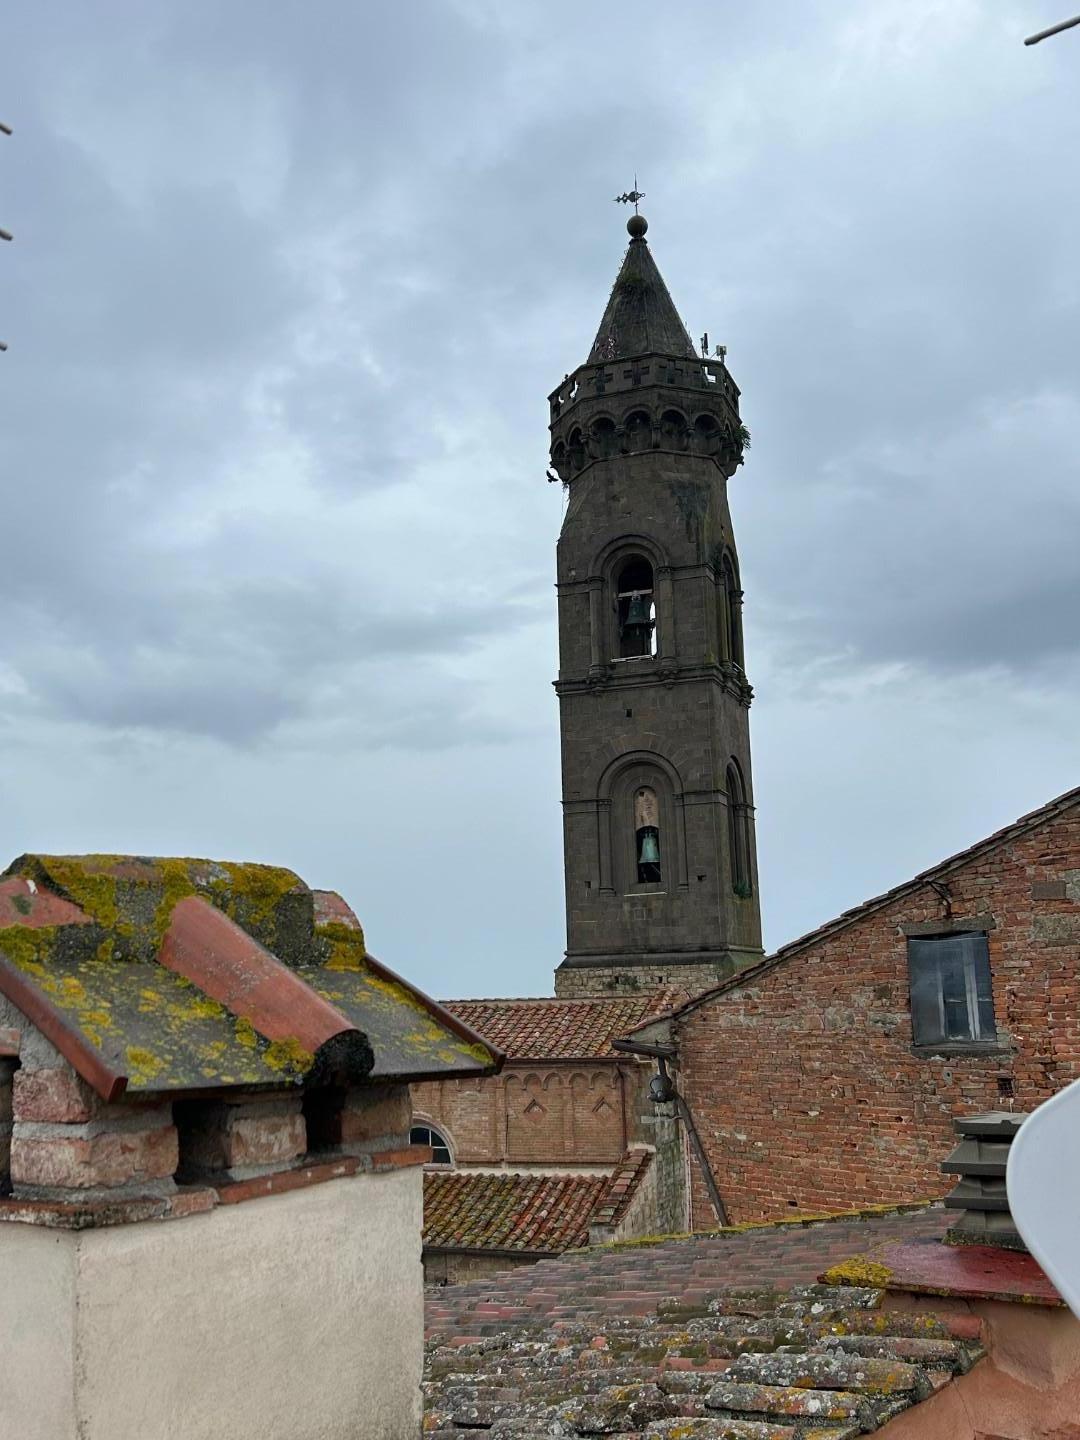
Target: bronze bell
x,y
637,614
650,846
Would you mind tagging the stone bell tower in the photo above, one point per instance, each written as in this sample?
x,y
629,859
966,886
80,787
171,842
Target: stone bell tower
x,y
661,867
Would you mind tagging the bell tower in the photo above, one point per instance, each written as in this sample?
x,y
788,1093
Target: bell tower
x,y
660,859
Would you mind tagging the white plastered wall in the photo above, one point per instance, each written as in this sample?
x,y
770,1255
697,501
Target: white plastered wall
x,y
293,1317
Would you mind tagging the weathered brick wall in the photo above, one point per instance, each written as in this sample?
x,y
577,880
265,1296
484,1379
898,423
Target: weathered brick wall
x,y
537,1115
804,1082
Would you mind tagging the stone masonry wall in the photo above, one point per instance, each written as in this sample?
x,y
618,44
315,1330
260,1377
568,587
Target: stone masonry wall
x,y
805,1084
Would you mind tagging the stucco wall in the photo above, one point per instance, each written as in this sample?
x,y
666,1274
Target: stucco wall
x,y
297,1316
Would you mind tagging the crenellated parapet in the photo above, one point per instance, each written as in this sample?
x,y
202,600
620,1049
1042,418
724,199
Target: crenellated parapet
x,y
654,402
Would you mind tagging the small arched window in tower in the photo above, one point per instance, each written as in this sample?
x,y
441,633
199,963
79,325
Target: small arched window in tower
x,y
637,612
732,616
738,833
647,835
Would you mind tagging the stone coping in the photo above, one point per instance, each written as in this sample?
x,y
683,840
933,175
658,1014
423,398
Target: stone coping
x,y
960,1272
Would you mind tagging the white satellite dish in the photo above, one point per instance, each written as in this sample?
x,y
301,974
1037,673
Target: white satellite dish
x,y
1042,1180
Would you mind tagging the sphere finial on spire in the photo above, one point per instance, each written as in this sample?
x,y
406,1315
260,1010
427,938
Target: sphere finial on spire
x,y
637,225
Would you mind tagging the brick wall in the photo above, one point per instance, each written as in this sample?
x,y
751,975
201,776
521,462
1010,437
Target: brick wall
x,y
573,1114
805,1083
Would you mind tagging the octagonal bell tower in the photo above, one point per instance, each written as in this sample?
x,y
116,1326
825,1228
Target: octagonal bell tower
x,y
660,857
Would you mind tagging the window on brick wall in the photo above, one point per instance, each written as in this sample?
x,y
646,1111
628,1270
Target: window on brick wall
x,y
951,998
440,1146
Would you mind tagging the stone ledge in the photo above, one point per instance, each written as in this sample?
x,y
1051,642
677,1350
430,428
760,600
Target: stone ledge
x,y
194,1200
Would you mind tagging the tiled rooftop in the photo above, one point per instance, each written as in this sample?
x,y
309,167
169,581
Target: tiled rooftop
x,y
533,1214
560,1029
626,1281
817,1362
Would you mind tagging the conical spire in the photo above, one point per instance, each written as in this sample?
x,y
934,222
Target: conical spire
x,y
640,318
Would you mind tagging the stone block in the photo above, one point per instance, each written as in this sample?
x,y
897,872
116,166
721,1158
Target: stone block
x,y
54,1096
383,1112
48,1158
227,1137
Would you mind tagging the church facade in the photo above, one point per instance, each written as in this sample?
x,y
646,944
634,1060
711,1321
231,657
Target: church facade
x,y
660,858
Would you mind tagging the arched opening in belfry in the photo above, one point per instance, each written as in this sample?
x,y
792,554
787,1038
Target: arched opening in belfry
x,y
647,835
637,609
732,613
738,832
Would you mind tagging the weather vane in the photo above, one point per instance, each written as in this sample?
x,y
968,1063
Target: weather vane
x,y
631,197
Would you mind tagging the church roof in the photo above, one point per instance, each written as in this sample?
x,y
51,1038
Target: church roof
x,y
552,1029
526,1213
640,318
177,975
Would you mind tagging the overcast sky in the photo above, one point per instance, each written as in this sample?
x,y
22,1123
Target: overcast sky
x,y
290,285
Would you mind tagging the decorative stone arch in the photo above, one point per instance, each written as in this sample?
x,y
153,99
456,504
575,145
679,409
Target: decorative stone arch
x,y
637,430
603,441
575,449
674,432
705,434
619,788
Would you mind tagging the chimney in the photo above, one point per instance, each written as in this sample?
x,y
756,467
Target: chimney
x,y
979,1160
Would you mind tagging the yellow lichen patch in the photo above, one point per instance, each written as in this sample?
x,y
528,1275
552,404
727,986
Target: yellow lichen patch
x,y
87,882
289,1056
253,891
246,1034
858,1270
346,946
143,1065
176,885
28,949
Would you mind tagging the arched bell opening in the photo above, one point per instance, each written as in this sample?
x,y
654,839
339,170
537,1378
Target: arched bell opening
x,y
636,609
647,836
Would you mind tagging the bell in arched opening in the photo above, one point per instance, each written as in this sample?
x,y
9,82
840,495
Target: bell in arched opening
x,y
647,836
637,612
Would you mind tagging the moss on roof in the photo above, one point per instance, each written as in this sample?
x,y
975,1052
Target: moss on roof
x,y
162,1032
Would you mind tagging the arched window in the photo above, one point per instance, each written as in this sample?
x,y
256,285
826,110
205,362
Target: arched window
x,y
637,610
440,1146
731,618
738,833
647,835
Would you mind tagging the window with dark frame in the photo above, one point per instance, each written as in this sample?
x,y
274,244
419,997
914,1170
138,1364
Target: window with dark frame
x,y
952,1002
428,1135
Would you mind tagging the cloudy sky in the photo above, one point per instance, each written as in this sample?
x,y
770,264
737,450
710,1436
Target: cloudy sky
x,y
290,285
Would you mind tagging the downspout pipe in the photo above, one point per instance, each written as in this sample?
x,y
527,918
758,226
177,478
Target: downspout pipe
x,y
664,1091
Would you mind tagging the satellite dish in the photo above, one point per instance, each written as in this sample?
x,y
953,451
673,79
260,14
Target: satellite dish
x,y
1042,1180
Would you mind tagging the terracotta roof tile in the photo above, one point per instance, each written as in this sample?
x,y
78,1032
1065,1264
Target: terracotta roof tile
x,y
474,1210
606,1356
552,1029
